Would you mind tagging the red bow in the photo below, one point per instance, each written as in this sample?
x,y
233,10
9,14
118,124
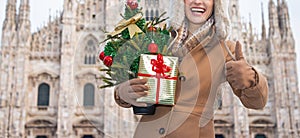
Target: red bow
x,y
159,67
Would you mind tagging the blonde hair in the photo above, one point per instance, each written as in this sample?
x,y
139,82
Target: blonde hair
x,y
220,15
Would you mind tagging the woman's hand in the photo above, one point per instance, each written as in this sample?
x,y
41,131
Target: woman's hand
x,y
132,89
239,73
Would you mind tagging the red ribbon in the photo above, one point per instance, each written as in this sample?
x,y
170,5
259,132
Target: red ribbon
x,y
158,65
160,68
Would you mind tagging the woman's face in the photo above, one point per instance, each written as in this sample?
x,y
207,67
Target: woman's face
x,y
198,11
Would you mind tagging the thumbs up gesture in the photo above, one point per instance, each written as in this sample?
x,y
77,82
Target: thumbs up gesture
x,y
238,72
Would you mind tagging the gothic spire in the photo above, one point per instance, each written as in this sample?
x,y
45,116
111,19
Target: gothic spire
x,y
280,15
250,23
285,14
69,4
10,17
24,10
235,19
23,28
278,6
9,25
273,19
286,30
69,8
251,38
278,2
263,33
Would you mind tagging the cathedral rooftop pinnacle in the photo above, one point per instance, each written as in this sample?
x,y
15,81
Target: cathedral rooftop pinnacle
x,y
263,33
10,17
251,36
23,24
24,10
278,2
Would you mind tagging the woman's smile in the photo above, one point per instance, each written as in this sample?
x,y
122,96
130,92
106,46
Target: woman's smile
x,y
198,11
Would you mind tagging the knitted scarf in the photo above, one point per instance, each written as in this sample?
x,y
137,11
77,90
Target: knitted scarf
x,y
184,44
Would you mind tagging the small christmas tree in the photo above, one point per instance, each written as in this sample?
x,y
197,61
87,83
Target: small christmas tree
x,y
132,37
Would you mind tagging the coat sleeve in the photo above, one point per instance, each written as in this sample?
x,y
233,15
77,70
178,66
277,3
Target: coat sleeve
x,y
254,97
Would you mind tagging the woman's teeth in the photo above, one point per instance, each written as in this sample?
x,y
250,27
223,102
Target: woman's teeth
x,y
200,10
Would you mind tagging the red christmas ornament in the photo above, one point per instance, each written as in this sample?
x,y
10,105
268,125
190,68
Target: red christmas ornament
x,y
101,55
132,4
152,47
108,60
152,29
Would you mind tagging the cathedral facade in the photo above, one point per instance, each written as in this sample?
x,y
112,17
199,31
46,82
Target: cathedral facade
x,y
50,78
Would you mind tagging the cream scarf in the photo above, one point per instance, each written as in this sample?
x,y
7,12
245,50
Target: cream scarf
x,y
184,43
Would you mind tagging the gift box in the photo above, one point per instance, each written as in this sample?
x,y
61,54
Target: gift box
x,y
161,72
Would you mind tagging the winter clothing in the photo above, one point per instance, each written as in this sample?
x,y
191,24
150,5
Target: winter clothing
x,y
205,58
192,116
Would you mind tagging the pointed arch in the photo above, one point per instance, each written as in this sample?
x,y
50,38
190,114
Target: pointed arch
x,y
89,48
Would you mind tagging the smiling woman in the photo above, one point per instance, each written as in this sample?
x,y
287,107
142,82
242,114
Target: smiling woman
x,y
198,11
204,54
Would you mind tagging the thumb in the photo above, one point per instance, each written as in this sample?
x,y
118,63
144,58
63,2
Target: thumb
x,y
238,51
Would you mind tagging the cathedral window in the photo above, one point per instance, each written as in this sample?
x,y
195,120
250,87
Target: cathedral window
x,y
90,52
43,94
220,103
88,95
151,15
151,12
260,136
147,15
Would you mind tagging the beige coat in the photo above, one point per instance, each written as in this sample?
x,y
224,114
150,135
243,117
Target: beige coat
x,y
203,70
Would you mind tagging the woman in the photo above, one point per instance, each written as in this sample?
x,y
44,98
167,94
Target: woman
x,y
206,61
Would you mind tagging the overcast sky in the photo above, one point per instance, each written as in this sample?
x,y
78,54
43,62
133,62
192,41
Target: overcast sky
x,y
41,9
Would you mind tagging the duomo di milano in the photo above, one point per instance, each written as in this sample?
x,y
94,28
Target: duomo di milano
x,y
49,78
